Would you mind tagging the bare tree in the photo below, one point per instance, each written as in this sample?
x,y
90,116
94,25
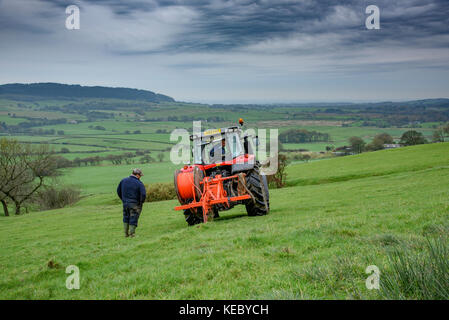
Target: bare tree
x,y
278,179
23,170
446,129
438,135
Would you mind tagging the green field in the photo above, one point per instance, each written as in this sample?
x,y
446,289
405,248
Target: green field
x,y
104,179
79,133
369,164
337,217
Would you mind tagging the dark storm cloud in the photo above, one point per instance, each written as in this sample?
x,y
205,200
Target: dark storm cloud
x,y
250,22
283,48
226,25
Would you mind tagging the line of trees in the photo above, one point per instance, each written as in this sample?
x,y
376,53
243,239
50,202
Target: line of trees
x,y
408,138
27,125
115,159
303,136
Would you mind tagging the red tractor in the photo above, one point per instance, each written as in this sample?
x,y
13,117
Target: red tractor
x,y
224,173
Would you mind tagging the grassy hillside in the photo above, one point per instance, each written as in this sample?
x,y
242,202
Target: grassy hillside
x,y
370,164
341,216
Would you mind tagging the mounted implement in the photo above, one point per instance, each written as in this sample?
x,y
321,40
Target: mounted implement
x,y
224,173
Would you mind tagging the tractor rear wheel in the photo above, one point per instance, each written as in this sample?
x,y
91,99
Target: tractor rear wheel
x,y
192,218
258,186
198,176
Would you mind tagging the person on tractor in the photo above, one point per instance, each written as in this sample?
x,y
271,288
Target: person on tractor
x,y
132,193
218,151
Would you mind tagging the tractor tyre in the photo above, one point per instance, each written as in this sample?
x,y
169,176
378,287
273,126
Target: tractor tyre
x,y
215,213
192,218
258,186
198,176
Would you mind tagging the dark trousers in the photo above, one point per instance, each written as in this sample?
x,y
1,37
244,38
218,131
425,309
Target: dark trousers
x,y
131,214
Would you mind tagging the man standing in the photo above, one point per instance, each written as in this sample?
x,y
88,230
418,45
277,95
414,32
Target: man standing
x,y
132,193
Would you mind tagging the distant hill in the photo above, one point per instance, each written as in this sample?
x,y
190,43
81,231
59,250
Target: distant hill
x,y
54,90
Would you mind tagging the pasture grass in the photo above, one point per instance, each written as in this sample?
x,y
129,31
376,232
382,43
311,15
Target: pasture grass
x,y
315,244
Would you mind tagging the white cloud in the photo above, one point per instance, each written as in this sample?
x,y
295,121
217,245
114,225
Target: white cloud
x,y
140,31
341,17
100,27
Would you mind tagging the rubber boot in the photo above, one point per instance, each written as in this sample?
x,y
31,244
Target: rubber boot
x,y
132,231
126,228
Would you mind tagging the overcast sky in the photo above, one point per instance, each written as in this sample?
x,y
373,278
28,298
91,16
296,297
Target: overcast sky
x,y
233,51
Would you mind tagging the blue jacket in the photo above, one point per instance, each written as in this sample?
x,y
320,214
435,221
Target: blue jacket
x,y
131,191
